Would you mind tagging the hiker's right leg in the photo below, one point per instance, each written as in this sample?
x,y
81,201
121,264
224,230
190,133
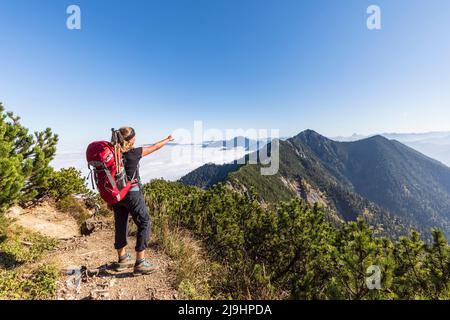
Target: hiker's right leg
x,y
125,260
140,255
141,217
121,252
121,228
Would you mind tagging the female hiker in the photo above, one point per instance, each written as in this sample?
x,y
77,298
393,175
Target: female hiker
x,y
133,204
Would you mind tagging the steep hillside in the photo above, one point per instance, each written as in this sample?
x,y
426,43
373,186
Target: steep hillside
x,y
221,244
291,250
208,175
432,144
390,174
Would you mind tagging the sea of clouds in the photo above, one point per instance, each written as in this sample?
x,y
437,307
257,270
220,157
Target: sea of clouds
x,y
170,163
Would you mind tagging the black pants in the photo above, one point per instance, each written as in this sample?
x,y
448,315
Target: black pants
x,y
133,204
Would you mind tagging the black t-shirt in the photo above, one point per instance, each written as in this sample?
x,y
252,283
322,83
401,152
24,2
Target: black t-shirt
x,y
131,162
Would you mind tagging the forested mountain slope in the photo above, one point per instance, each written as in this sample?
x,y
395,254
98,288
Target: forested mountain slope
x,y
388,182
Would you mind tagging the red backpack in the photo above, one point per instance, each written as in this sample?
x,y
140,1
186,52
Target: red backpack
x,y
107,170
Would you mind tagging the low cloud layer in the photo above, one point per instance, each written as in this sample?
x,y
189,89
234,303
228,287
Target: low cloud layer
x,y
171,162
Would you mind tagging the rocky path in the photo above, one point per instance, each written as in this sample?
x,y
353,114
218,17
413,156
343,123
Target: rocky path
x,y
86,268
86,262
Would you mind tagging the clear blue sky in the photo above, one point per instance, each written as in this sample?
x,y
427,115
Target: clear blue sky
x,y
292,65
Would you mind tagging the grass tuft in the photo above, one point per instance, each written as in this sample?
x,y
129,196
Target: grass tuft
x,y
19,246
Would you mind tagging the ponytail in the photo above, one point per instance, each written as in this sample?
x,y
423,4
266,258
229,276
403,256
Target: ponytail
x,y
120,139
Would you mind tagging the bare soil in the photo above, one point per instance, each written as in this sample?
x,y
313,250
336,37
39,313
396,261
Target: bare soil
x,y
46,220
86,262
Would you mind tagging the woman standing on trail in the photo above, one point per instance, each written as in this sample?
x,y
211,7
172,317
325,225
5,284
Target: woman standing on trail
x,y
133,204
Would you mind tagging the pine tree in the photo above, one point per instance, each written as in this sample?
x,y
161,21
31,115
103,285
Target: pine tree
x,y
41,154
438,264
356,252
291,250
411,275
302,241
24,160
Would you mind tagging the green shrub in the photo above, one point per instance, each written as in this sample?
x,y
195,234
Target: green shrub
x,y
24,161
74,207
291,250
19,246
66,182
195,275
40,284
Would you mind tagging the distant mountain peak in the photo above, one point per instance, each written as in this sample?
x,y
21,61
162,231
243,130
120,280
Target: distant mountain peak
x,y
311,138
311,134
376,137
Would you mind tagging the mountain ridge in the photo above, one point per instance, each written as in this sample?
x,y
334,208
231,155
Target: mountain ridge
x,y
375,174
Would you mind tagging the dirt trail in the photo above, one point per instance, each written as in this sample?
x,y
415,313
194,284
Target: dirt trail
x,y
46,220
94,255
86,261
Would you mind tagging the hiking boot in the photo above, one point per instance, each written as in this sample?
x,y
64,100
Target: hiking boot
x,y
143,267
124,263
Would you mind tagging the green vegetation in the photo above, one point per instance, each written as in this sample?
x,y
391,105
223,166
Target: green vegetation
x,y
75,208
25,174
17,248
271,189
293,251
39,285
209,175
66,183
26,178
394,188
196,274
68,188
252,237
389,174
62,187
24,161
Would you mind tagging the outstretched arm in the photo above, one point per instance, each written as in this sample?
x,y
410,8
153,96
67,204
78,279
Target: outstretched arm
x,y
147,150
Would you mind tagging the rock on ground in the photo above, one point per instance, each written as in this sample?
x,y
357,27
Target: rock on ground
x,y
46,220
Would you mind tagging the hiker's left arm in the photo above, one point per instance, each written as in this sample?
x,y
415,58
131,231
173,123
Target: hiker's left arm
x,y
147,150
